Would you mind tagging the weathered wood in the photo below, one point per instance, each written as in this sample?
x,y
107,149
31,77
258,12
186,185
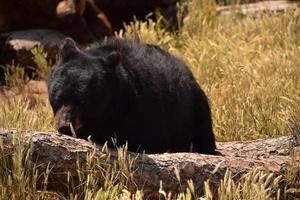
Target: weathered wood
x,y
253,9
61,152
17,45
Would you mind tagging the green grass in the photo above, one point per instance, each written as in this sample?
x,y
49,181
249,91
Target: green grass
x,y
15,76
40,58
249,69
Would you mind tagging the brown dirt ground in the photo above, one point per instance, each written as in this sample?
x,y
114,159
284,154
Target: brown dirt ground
x,y
32,91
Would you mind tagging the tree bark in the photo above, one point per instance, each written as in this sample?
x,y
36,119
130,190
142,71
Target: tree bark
x,y
61,152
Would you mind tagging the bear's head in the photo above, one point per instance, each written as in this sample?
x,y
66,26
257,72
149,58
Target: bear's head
x,y
80,88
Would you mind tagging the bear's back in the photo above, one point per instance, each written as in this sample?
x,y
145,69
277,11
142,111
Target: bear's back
x,y
148,64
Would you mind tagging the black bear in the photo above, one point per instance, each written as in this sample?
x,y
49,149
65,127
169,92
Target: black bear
x,y
131,91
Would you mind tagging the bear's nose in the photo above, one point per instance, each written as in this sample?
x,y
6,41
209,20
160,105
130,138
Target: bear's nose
x,y
65,130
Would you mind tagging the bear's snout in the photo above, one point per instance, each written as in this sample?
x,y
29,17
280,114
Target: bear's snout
x,y
65,118
65,129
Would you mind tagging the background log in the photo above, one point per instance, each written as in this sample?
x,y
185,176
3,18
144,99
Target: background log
x,y
253,9
17,45
62,153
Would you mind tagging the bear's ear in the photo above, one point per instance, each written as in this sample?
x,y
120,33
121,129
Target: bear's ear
x,y
114,58
68,48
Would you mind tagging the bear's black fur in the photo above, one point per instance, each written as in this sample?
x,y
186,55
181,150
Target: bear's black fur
x,y
135,92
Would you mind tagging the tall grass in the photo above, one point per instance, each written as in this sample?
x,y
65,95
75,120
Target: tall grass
x,y
20,107
18,174
26,112
249,68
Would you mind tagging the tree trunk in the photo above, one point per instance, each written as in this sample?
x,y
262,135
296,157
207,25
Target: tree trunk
x,y
62,152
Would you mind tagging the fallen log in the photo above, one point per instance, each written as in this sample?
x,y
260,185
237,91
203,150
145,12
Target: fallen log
x,y
17,45
253,9
61,153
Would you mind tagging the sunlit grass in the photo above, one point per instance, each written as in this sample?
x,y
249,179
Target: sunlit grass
x,y
26,113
